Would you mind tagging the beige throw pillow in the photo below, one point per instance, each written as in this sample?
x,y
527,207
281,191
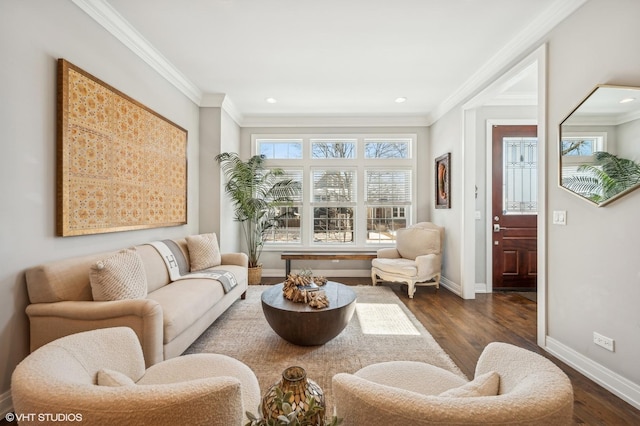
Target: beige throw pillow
x,y
486,384
414,242
107,377
118,277
204,251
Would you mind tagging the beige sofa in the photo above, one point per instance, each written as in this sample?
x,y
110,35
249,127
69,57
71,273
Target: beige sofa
x,y
166,321
98,377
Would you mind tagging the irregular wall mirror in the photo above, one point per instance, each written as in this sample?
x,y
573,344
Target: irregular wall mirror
x,y
600,145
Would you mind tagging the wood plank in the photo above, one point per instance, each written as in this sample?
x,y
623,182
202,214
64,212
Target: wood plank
x,y
301,255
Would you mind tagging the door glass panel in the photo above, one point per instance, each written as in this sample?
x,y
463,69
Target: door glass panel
x,y
520,179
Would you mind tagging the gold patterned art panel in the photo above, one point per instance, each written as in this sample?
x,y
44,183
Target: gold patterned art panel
x,y
121,166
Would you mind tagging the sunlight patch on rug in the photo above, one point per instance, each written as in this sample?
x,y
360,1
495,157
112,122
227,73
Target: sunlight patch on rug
x,y
384,318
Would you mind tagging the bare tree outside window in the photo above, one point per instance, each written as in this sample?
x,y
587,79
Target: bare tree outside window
x,y
333,149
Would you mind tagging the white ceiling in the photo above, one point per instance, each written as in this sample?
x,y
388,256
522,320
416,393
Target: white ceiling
x,y
334,57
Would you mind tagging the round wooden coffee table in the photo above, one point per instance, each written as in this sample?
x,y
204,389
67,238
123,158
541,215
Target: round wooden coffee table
x,y
300,324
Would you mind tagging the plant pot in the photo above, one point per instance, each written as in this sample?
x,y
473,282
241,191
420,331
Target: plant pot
x,y
255,275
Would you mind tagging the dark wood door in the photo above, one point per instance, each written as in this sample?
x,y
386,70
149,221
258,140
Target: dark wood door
x,y
515,205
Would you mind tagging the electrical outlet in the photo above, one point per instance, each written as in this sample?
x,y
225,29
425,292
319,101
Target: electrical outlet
x,y
605,342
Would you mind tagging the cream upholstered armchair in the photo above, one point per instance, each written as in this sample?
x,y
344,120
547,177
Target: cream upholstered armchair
x,y
99,378
512,386
416,259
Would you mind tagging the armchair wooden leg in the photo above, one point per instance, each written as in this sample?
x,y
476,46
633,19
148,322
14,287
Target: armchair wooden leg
x,y
374,280
412,289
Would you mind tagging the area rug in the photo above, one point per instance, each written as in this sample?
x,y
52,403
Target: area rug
x,y
243,333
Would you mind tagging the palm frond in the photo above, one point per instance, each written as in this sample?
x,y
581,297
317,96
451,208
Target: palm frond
x,y
255,192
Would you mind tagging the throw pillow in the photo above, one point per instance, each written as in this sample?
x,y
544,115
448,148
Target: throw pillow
x,y
120,276
107,377
414,242
204,251
486,384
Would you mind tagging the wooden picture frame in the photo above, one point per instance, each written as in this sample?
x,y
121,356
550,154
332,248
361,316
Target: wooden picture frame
x,y
120,165
443,182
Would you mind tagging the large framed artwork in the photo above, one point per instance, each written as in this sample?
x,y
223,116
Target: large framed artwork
x,y
120,165
443,184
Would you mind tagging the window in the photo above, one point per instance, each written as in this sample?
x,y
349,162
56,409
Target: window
x,y
288,217
280,149
520,175
388,195
577,148
357,189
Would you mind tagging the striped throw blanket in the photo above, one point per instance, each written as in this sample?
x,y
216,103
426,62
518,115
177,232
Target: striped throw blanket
x,y
178,268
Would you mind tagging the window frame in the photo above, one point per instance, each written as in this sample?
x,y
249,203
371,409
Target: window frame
x,y
360,164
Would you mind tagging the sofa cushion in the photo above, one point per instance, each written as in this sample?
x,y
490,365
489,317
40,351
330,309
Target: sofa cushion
x,y
204,251
118,277
403,267
486,384
184,302
413,242
108,377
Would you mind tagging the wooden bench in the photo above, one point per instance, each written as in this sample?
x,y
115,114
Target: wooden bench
x,y
324,255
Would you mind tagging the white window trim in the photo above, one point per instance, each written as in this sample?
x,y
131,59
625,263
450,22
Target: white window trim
x,y
360,163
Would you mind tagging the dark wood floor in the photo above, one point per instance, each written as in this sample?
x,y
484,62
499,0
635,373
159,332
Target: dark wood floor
x,y
464,327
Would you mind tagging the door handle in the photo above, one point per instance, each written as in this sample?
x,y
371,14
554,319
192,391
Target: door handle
x,y
498,228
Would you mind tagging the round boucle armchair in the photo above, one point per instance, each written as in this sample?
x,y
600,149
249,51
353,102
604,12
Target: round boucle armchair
x,y
511,386
98,377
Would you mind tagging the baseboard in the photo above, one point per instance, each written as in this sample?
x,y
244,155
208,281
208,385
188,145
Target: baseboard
x,y
6,405
612,381
481,288
322,272
450,285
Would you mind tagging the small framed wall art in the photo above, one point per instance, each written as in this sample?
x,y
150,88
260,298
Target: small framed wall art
x,y
442,180
120,165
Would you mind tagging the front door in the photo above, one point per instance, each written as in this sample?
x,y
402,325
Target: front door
x,y
515,206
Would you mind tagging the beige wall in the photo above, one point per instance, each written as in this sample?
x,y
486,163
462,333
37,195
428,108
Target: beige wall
x,y
33,34
593,272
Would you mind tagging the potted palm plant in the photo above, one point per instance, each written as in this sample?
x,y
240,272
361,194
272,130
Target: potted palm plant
x,y
256,193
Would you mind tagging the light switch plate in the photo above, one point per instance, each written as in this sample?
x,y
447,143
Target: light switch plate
x,y
559,217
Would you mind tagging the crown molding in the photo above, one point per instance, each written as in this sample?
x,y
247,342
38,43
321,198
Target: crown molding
x,y
104,14
221,100
526,40
335,121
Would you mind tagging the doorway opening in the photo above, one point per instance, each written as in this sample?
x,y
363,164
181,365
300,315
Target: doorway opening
x,y
515,99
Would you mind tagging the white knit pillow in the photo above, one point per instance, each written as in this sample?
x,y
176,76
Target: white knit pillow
x,y
486,384
120,276
204,251
107,377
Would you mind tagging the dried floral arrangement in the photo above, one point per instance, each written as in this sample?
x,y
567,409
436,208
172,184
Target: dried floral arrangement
x,y
303,287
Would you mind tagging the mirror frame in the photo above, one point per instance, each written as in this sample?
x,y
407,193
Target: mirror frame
x,y
560,137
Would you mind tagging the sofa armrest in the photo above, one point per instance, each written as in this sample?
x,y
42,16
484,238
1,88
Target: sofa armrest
x,y
49,321
388,253
240,259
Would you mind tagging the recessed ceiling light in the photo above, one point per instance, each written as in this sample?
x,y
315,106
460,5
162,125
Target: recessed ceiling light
x,y
626,100
271,100
401,100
